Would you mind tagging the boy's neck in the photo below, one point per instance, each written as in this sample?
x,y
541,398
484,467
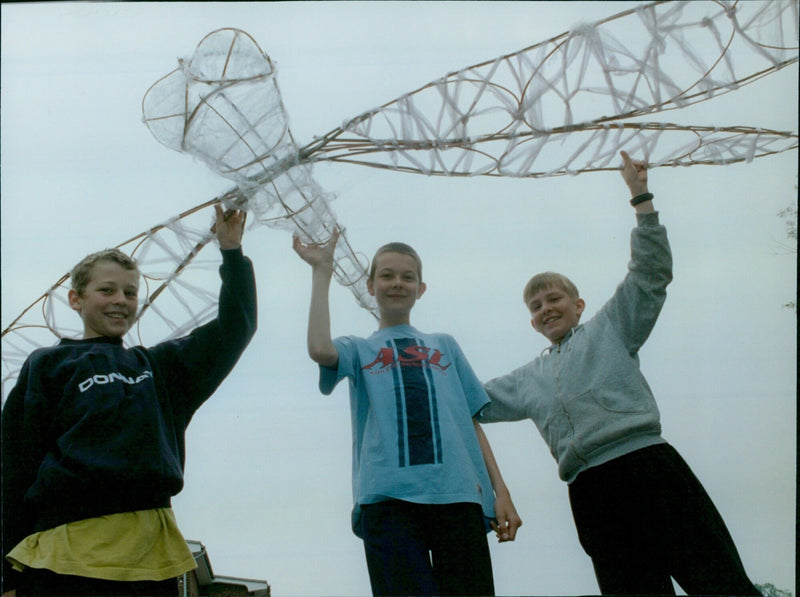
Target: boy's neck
x,y
389,322
565,337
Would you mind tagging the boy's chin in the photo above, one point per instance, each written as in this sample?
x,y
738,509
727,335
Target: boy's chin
x,y
554,339
119,334
106,333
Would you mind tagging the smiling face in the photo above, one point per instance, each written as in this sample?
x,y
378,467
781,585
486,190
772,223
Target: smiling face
x,y
109,301
554,312
396,286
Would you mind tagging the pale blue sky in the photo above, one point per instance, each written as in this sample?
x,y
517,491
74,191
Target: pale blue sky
x,y
268,473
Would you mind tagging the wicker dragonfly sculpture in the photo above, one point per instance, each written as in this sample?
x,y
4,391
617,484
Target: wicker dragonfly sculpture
x,y
566,105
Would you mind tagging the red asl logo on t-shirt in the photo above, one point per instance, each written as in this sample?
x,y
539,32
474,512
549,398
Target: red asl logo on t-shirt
x,y
414,356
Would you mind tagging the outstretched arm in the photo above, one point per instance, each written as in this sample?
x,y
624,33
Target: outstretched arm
x,y
508,521
635,306
320,257
634,173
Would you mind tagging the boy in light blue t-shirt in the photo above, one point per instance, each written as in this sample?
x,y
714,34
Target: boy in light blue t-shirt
x,y
426,487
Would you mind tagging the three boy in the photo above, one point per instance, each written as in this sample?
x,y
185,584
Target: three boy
x,y
424,477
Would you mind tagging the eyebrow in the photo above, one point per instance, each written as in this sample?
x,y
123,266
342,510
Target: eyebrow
x,y
112,283
392,270
547,295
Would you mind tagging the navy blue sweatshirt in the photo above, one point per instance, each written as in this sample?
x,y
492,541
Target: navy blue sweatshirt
x,y
94,428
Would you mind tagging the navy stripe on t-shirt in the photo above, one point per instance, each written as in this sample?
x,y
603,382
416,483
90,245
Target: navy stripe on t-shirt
x,y
417,412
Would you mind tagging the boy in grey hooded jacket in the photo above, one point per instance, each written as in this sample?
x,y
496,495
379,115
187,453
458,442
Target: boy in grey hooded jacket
x,y
641,514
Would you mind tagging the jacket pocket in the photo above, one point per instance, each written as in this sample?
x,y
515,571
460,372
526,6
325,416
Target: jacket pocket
x,y
558,433
604,419
621,400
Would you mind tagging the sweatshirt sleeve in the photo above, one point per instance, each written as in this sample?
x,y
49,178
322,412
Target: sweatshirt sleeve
x,y
195,365
22,453
506,400
637,302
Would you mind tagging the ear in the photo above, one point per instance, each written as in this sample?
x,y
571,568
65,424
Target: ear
x,y
580,305
74,300
422,288
370,287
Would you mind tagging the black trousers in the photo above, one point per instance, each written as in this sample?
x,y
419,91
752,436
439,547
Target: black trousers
x,y
36,583
645,517
426,549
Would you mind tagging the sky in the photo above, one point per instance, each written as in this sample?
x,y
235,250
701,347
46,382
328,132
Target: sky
x,y
268,468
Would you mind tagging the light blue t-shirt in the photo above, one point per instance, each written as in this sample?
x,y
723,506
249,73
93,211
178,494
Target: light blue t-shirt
x,y
412,400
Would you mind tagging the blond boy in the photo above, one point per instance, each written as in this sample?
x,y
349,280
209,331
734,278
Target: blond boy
x,y
93,435
641,514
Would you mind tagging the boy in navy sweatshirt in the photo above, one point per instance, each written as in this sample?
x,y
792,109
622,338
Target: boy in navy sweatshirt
x,y
93,435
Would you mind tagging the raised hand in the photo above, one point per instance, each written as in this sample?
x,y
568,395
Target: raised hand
x,y
229,227
317,254
634,173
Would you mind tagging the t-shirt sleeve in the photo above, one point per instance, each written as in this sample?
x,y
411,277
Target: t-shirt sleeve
x,y
477,400
329,377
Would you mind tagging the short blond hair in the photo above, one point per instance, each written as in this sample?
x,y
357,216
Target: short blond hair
x,y
547,280
82,272
396,247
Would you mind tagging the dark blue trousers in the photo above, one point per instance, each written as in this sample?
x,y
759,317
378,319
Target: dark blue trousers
x,y
36,583
645,517
426,549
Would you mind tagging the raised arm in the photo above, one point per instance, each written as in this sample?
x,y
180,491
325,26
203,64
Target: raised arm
x,y
637,301
320,257
508,521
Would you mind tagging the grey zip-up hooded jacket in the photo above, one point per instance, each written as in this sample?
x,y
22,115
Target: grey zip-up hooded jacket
x,y
586,394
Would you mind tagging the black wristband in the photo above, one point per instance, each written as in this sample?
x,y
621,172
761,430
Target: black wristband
x,y
641,198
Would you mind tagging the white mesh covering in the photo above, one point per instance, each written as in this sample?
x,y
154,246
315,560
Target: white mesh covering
x,y
569,104
564,106
224,107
